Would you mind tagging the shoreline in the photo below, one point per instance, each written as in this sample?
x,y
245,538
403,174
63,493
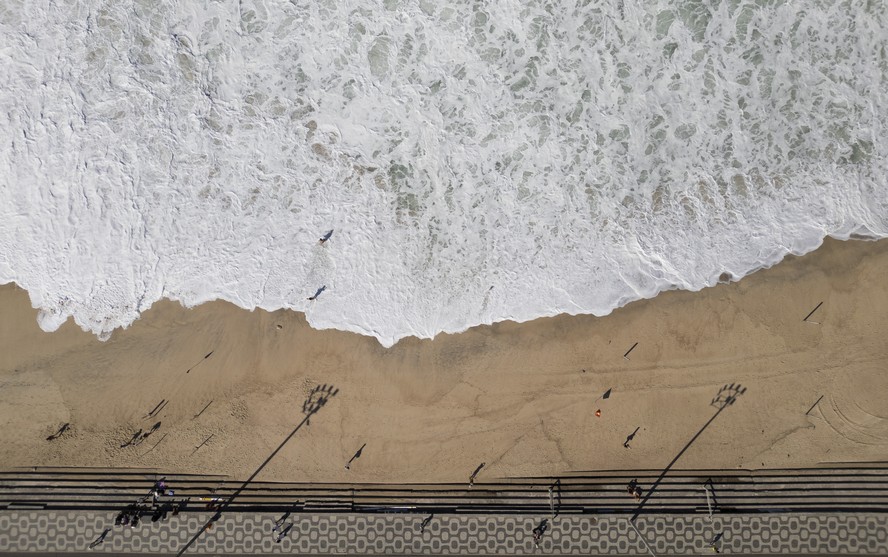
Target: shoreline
x,y
512,395
52,318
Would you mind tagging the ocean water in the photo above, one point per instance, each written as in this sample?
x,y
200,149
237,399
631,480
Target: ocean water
x,y
477,161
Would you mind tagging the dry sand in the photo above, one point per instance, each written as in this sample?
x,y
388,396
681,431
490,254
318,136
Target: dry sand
x,y
511,395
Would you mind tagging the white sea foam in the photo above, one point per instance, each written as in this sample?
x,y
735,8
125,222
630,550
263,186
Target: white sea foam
x,y
479,161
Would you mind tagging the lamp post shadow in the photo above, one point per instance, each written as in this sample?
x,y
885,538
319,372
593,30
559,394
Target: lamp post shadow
x,y
316,400
726,396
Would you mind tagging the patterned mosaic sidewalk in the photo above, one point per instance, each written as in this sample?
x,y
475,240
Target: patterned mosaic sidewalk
x,y
41,531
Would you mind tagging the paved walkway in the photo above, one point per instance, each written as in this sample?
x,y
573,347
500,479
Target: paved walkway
x,y
398,534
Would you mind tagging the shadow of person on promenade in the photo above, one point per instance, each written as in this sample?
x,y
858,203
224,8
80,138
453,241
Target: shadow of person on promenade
x,y
539,531
100,540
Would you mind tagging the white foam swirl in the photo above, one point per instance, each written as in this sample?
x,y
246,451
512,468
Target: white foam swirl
x,y
478,161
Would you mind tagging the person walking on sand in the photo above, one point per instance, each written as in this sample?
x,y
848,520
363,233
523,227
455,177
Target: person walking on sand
x,y
326,237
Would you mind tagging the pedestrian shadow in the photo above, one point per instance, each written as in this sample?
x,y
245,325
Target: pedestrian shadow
x,y
356,456
539,531
711,488
65,427
475,473
629,438
136,436
425,523
284,533
202,360
713,543
318,293
101,539
555,494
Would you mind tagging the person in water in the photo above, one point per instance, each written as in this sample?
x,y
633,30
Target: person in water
x,y
318,293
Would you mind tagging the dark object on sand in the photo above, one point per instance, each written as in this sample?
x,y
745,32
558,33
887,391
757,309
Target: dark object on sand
x,y
60,432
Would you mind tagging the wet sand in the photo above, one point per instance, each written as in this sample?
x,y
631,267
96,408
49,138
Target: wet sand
x,y
519,397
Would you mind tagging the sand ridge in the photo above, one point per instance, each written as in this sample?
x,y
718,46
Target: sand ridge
x,y
514,396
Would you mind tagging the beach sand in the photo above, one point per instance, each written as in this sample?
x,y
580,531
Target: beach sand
x,y
514,396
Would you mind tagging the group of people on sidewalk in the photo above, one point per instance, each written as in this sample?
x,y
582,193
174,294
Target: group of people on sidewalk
x,y
159,509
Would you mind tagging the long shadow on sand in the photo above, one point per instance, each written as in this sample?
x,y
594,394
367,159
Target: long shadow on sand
x,y
319,397
726,396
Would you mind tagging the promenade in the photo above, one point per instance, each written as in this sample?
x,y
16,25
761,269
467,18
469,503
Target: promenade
x,y
354,534
811,511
